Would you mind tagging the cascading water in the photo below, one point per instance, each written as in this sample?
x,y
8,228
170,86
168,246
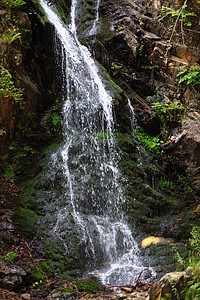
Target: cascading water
x,y
91,193
93,30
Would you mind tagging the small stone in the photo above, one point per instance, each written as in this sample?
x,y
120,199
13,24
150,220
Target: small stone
x,y
25,296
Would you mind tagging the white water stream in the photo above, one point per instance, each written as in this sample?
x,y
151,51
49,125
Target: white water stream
x,y
93,30
89,208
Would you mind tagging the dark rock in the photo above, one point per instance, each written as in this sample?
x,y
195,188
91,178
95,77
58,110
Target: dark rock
x,y
185,149
12,278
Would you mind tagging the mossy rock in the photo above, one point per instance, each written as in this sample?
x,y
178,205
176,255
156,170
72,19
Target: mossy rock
x,y
116,92
26,220
89,286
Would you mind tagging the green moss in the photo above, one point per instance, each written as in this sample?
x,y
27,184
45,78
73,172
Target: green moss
x,y
41,272
41,13
56,256
62,7
116,92
9,172
90,286
26,220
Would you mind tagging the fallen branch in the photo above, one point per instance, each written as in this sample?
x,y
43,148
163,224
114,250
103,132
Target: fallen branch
x,y
139,277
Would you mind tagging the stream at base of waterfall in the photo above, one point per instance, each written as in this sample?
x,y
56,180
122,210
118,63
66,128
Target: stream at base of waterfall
x,y
89,205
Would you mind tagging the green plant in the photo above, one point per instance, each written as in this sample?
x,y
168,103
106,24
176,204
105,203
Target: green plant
x,y
181,262
141,49
11,256
9,36
40,272
169,111
54,116
7,87
174,289
7,18
9,4
120,27
36,284
181,15
115,68
181,12
152,143
190,75
165,184
193,291
195,240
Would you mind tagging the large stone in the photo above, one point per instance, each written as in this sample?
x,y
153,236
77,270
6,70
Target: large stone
x,y
170,284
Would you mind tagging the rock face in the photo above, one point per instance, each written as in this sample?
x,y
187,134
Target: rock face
x,y
30,63
186,152
133,45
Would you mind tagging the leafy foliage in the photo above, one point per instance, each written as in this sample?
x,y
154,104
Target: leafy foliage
x,y
190,75
195,240
169,111
8,88
193,292
115,68
151,142
165,184
9,36
54,116
192,288
10,4
184,14
11,256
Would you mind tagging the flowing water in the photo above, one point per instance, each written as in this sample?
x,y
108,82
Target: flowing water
x,y
93,30
88,208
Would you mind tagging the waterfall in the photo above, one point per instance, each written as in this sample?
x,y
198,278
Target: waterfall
x,y
88,207
93,30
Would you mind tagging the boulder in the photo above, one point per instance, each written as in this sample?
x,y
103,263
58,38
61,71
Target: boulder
x,y
170,284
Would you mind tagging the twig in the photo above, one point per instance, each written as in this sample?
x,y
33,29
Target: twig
x,y
182,32
76,288
174,27
139,277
